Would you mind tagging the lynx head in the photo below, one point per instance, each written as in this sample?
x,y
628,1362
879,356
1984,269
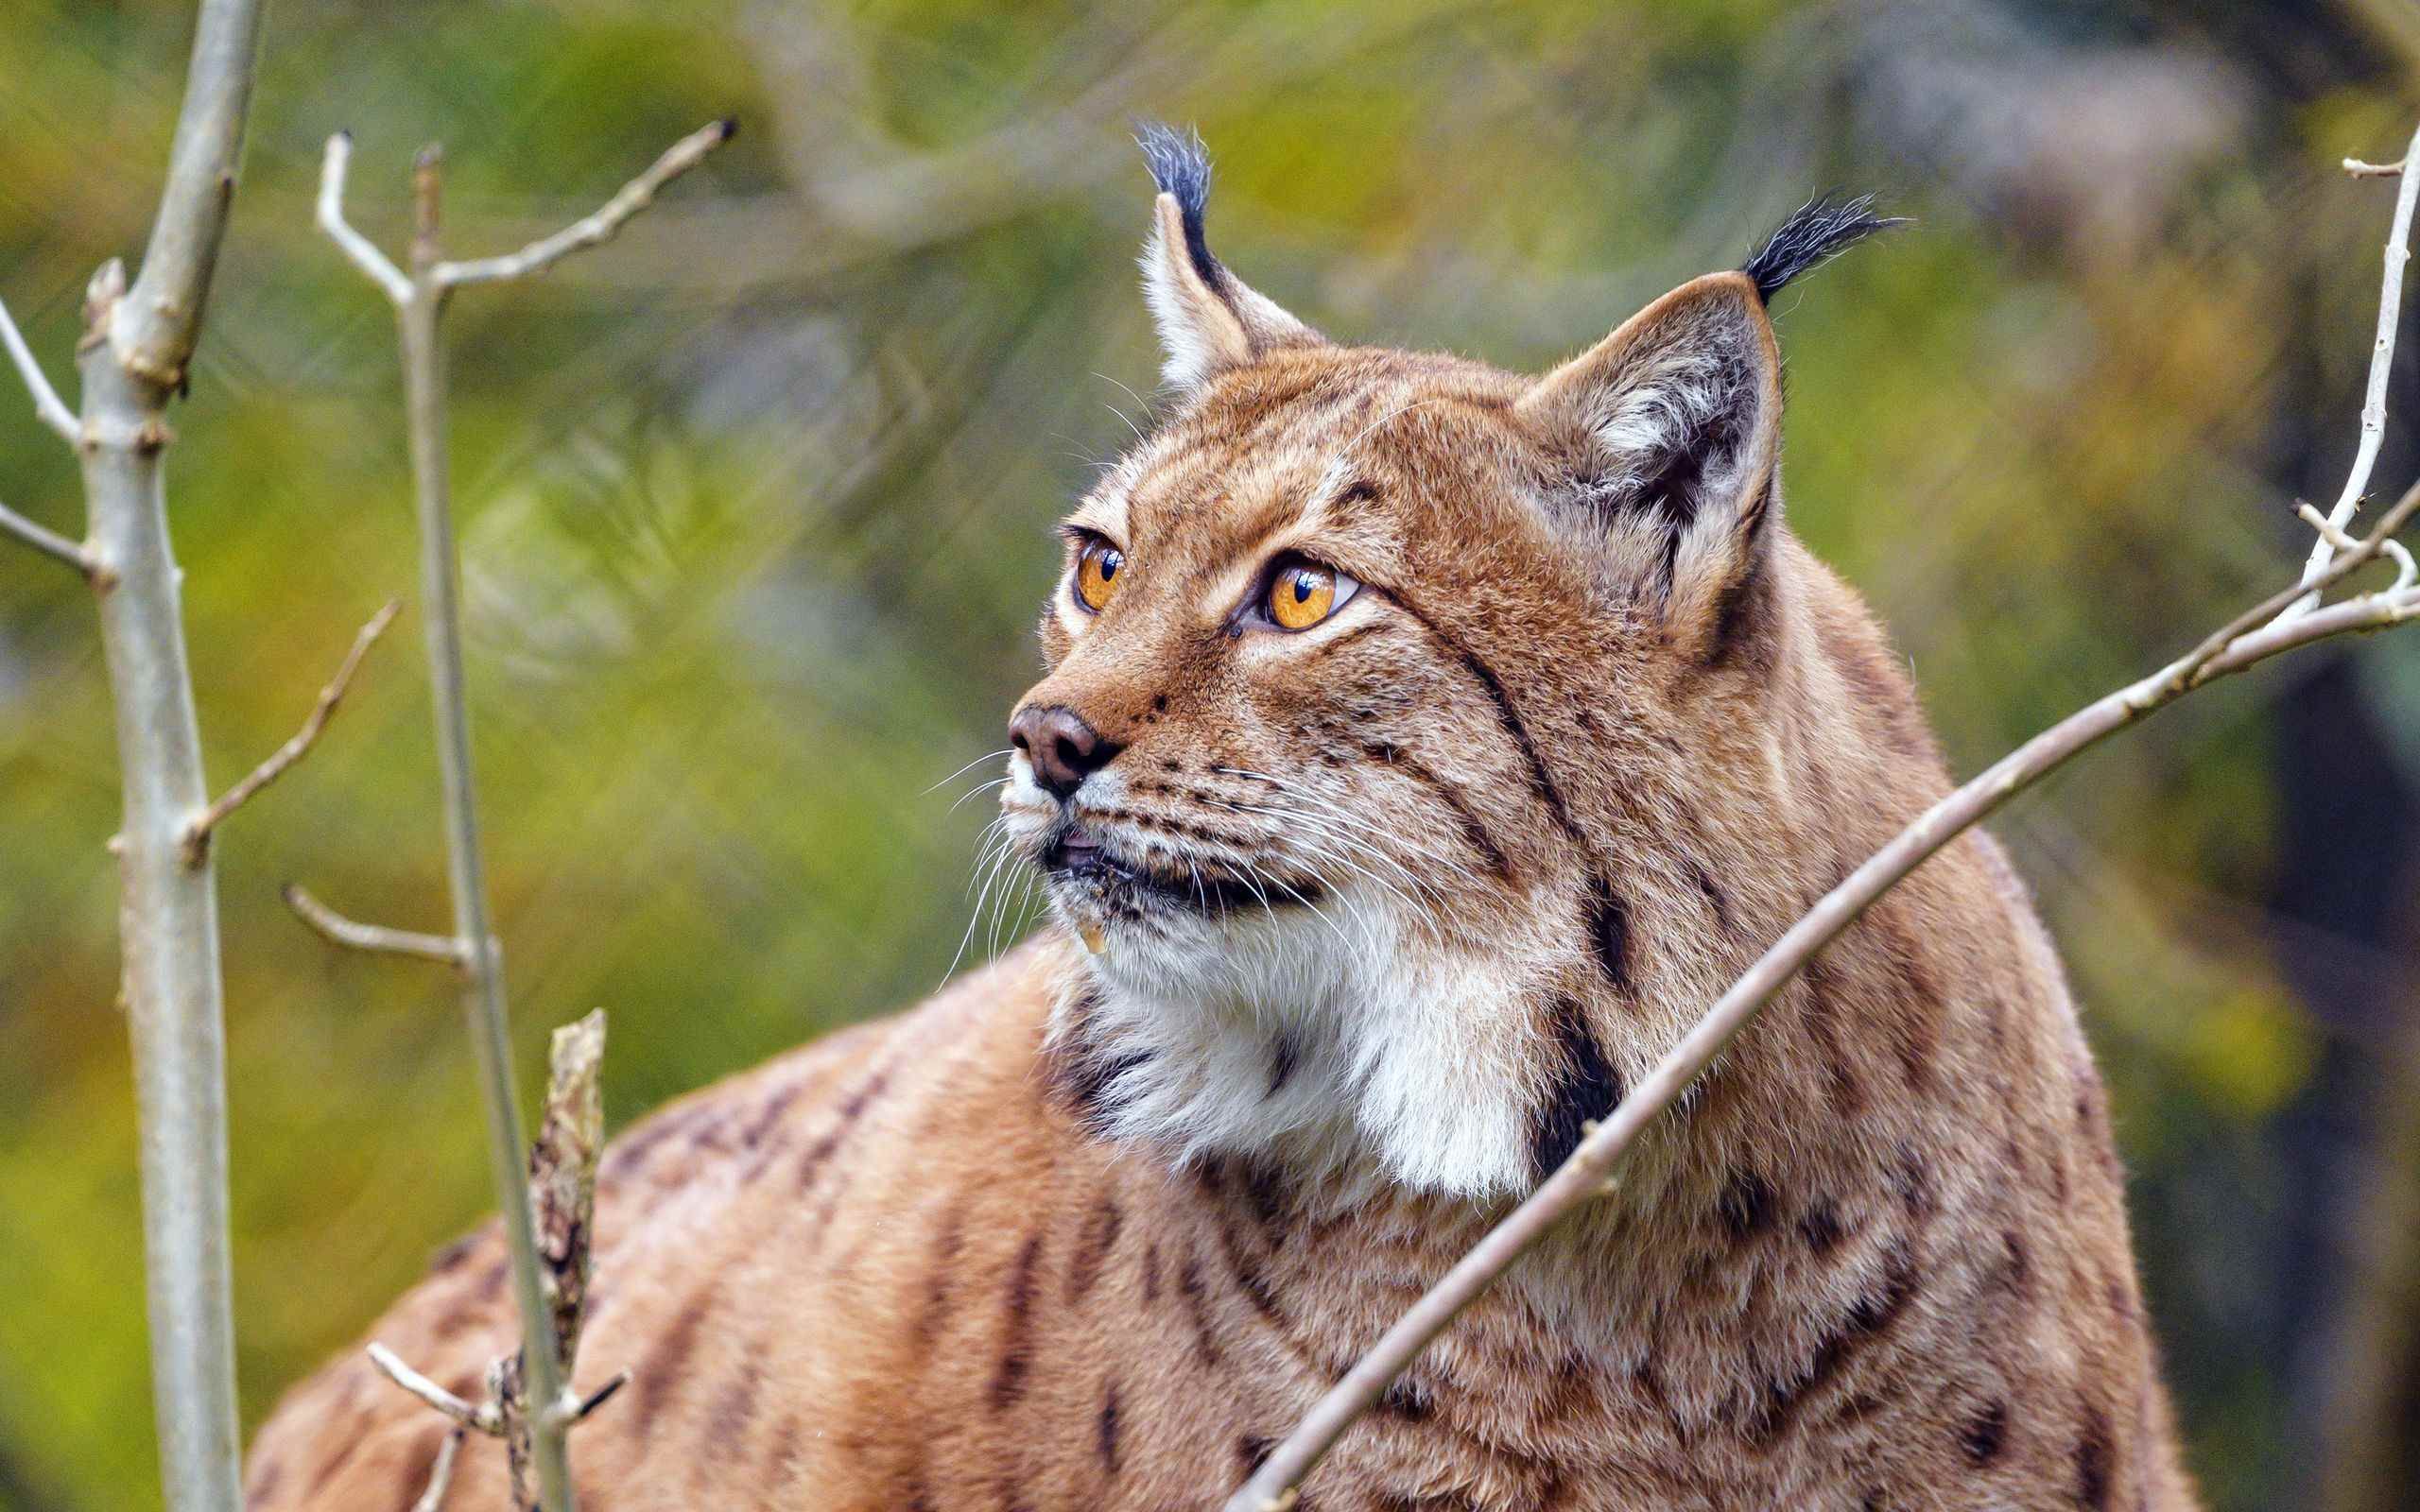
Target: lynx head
x,y
1407,758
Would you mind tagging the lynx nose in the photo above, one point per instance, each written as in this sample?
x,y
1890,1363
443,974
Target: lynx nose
x,y
1062,747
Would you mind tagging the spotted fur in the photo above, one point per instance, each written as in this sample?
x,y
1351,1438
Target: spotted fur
x,y
1386,910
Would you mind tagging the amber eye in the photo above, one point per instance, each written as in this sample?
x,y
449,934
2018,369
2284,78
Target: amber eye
x,y
1097,570
1301,594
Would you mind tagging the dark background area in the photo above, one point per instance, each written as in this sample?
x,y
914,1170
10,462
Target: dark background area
x,y
755,507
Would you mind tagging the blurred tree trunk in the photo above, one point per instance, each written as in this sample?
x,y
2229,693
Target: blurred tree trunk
x,y
2371,1394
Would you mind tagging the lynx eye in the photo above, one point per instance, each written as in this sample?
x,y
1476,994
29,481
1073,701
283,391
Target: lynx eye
x,y
1098,567
1302,594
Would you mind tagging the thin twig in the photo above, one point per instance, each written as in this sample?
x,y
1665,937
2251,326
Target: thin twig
x,y
2269,611
49,542
198,833
441,1475
362,250
609,218
353,936
52,411
2359,170
2355,616
2405,570
2398,253
600,1396
481,1418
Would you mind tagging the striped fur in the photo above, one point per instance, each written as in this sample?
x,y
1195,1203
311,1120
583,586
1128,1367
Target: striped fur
x,y
1388,909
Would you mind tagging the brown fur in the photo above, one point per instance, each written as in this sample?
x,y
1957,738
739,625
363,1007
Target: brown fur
x,y
1878,1260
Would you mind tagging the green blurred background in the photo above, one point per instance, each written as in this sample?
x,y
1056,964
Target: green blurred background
x,y
755,504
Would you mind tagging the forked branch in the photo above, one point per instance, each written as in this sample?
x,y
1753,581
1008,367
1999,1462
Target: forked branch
x,y
2294,616
535,1439
590,231
56,415
2398,254
362,250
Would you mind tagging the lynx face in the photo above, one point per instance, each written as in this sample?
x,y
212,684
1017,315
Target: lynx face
x,y
1374,678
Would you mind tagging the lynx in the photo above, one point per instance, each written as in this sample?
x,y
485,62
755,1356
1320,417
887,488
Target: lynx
x,y
1423,746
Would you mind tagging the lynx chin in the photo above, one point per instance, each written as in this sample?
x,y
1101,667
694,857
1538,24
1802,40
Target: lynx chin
x,y
1422,747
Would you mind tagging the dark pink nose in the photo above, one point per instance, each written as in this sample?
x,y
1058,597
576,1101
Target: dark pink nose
x,y
1062,747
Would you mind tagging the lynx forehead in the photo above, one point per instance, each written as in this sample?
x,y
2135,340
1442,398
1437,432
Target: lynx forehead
x,y
1421,746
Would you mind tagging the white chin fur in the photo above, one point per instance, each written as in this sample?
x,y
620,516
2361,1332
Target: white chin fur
x,y
1402,1060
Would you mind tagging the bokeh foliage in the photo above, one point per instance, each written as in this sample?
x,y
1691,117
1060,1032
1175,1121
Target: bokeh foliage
x,y
756,504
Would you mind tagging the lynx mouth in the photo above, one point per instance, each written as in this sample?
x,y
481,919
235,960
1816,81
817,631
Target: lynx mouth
x,y
1091,873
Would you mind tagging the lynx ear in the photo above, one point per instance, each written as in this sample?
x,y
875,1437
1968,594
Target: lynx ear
x,y
1209,320
1672,429
1672,426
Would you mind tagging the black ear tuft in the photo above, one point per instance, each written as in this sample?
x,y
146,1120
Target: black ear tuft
x,y
1816,232
1180,165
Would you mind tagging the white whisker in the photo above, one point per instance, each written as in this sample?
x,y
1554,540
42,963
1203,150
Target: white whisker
x,y
978,760
986,787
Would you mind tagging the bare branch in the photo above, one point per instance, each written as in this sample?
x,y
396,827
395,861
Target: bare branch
x,y
2270,610
483,994
196,839
563,1175
563,1205
482,1419
2398,253
337,930
362,250
153,331
131,364
2359,170
549,1288
51,411
634,197
2405,571
2355,616
441,1475
563,1198
428,196
49,542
